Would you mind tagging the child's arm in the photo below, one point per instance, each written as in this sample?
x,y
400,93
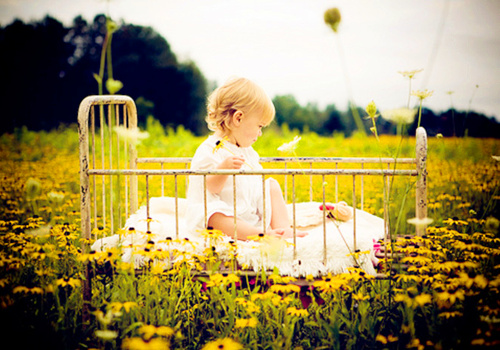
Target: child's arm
x,y
215,183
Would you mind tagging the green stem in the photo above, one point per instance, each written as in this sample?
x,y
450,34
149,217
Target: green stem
x,y
108,51
102,63
419,114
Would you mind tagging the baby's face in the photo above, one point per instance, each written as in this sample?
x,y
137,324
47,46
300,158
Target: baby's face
x,y
248,128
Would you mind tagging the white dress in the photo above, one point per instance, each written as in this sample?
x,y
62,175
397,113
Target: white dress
x,y
249,193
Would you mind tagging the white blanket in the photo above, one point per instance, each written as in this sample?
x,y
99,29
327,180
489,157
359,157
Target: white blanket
x,y
268,253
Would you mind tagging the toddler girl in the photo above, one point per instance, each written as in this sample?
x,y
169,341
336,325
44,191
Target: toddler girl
x,y
236,113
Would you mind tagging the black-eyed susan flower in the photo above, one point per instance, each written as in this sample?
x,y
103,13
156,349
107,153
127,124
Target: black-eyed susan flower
x,y
27,290
455,221
127,306
448,298
359,296
68,282
221,144
223,344
297,312
450,314
246,322
423,299
385,340
148,331
331,284
137,343
284,288
220,280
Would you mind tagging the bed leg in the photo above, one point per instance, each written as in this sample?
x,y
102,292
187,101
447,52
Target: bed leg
x,y
421,190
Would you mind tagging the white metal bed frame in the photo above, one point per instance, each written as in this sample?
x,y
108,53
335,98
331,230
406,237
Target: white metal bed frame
x,y
104,157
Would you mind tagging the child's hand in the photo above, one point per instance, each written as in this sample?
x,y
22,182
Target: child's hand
x,y
287,233
233,162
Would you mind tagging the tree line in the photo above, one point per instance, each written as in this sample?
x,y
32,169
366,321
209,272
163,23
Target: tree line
x,y
47,69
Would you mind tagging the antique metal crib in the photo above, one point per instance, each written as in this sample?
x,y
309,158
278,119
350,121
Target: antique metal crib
x,y
114,181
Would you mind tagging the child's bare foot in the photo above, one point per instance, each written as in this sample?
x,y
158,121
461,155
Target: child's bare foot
x,y
287,233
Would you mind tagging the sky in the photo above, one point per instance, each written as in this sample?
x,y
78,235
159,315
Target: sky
x,y
285,46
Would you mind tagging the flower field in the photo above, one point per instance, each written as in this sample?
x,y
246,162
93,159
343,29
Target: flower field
x,y
446,297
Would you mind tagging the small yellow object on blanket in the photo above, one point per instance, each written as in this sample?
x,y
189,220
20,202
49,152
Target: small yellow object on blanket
x,y
339,211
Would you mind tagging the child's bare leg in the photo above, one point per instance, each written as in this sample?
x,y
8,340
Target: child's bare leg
x,y
279,216
225,224
279,212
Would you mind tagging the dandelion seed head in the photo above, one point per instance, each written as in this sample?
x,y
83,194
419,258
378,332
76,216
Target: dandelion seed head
x,y
291,146
400,115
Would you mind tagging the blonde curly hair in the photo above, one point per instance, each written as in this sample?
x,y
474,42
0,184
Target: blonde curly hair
x,y
237,94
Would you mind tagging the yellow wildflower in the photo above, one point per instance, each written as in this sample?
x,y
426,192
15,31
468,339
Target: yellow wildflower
x,y
422,94
360,296
137,343
246,322
67,281
128,305
371,110
448,298
384,340
423,299
148,331
223,344
26,290
410,74
297,312
288,288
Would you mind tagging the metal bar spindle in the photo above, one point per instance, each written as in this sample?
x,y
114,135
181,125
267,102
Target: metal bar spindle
x,y
354,212
310,184
386,217
103,166
294,221
286,184
118,166
162,182
336,184
94,182
234,204
147,202
110,136
186,166
362,188
421,187
388,184
324,221
205,199
125,150
264,204
176,208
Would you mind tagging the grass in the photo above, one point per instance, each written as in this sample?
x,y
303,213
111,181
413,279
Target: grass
x,y
446,299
